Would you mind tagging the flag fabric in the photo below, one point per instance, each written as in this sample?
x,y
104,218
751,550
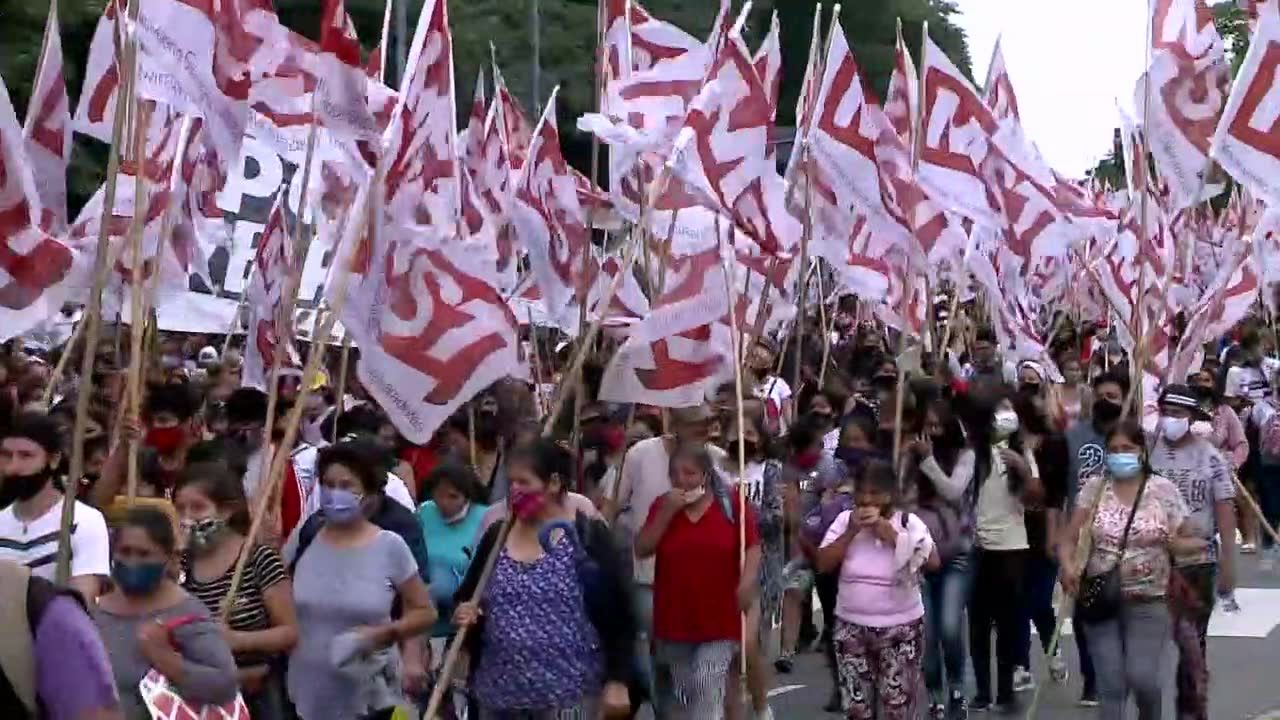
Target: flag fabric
x,y
549,220
1181,95
47,129
721,153
35,268
999,89
270,329
902,103
419,302
1247,140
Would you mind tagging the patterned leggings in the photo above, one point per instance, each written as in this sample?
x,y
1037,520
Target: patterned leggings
x,y
689,679
880,669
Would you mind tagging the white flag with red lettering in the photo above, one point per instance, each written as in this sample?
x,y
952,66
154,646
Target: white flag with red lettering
x,y
902,103
1247,140
721,152
671,356
999,89
270,331
34,267
48,126
421,304
1181,95
549,220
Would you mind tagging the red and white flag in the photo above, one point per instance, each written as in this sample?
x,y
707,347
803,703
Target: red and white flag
x,y
902,103
341,100
1182,94
671,357
270,329
48,126
957,127
422,307
999,89
549,221
768,63
721,152
1247,140
34,267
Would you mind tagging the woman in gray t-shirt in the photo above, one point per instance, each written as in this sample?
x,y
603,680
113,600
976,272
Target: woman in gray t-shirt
x,y
346,664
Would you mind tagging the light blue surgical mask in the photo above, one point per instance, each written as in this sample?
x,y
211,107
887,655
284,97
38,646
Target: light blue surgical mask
x,y
340,506
1124,466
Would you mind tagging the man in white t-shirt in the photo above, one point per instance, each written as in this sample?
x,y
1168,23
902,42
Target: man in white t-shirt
x,y
29,528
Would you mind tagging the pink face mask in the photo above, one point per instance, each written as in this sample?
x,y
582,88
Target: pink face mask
x,y
526,505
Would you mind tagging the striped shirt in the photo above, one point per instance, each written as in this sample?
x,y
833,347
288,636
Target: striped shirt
x,y
249,612
34,543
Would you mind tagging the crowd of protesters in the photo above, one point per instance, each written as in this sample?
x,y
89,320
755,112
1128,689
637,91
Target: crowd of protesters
x,y
911,522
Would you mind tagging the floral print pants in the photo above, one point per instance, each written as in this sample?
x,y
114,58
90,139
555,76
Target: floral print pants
x,y
880,669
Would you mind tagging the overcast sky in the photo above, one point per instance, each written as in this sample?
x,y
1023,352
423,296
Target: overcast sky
x,y
1070,61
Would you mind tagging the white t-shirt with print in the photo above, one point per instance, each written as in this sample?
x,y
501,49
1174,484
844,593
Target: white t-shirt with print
x,y
35,544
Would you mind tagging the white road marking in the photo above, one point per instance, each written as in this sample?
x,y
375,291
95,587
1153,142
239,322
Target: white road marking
x,y
783,690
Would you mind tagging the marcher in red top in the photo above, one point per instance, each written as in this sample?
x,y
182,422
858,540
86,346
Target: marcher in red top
x,y
702,584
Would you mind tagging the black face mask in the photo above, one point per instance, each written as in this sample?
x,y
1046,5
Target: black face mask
x,y
25,487
1204,393
1106,411
1029,389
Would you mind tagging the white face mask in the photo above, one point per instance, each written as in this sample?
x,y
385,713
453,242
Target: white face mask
x,y
1174,429
1005,423
458,516
1202,428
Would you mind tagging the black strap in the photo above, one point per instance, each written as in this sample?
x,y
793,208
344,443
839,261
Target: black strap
x,y
1133,512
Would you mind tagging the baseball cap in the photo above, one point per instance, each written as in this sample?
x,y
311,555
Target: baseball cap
x,y
1182,396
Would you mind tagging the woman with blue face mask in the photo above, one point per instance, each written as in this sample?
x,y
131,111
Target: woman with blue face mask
x,y
148,621
347,663
1127,644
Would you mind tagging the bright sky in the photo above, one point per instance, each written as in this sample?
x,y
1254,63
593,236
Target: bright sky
x,y
1069,61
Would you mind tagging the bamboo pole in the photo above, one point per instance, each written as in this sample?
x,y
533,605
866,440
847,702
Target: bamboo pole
x,y
736,344
137,317
344,365
94,309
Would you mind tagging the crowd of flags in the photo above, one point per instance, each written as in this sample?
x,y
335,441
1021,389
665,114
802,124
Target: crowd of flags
x,y
444,238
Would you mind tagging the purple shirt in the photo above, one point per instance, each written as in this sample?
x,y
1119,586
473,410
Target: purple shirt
x,y
73,674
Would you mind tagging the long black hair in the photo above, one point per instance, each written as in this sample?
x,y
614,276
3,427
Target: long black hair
x,y
980,421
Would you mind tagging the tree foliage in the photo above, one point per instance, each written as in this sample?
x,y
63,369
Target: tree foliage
x,y
566,57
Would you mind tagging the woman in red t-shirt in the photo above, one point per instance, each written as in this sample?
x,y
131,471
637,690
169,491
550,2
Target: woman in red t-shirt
x,y
702,584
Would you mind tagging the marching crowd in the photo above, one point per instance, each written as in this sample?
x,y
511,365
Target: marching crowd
x,y
638,559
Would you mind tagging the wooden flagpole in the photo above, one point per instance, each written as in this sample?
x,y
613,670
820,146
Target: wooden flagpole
x,y
137,310
826,328
93,311
344,365
736,345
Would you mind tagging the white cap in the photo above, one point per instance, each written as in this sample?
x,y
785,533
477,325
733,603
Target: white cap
x,y
207,355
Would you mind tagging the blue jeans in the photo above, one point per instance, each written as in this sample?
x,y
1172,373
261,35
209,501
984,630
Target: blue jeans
x,y
1042,573
946,592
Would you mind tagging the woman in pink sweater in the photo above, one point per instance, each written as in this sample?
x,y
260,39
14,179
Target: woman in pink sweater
x,y
879,633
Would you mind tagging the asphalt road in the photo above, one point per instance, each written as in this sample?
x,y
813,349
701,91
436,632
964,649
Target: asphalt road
x,y
1244,662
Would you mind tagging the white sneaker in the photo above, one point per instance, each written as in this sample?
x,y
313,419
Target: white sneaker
x,y
1023,680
